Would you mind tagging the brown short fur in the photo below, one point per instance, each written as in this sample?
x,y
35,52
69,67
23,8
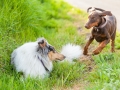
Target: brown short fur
x,y
103,29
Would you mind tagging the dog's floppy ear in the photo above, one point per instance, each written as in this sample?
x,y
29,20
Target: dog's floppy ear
x,y
42,44
104,13
90,10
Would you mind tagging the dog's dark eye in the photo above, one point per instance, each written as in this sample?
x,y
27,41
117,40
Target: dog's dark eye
x,y
51,48
93,17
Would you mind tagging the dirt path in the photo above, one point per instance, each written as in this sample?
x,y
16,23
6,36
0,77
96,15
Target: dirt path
x,y
110,5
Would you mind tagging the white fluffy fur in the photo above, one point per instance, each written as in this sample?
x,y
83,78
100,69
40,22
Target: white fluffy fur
x,y
25,59
71,52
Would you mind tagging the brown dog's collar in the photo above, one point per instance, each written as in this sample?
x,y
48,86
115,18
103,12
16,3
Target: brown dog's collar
x,y
103,25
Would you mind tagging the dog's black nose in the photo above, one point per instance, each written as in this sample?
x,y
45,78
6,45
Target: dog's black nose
x,y
86,26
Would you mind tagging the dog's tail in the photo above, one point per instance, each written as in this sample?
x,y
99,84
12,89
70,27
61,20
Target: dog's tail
x,y
71,52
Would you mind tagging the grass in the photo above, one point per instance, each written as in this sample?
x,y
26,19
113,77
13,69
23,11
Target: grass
x,y
25,20
106,75
62,75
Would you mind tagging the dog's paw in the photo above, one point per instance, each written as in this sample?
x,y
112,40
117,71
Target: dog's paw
x,y
96,52
85,52
112,50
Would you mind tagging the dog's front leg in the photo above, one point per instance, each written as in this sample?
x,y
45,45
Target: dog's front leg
x,y
85,52
101,46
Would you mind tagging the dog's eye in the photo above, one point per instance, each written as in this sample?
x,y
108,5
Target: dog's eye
x,y
51,48
93,17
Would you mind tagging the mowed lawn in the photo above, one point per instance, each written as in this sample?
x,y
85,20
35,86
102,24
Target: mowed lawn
x,y
26,20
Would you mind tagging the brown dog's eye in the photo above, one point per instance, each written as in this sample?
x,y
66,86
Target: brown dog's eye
x,y
93,17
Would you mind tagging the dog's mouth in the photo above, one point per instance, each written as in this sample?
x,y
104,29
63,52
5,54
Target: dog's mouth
x,y
87,27
91,25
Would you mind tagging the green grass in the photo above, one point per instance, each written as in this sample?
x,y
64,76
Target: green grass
x,y
62,75
106,75
26,20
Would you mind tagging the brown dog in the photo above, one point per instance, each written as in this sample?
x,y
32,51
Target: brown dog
x,y
104,29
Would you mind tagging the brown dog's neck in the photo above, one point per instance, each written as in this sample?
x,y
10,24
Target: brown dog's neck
x,y
102,21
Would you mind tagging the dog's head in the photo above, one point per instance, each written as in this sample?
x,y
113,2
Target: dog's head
x,y
95,17
49,50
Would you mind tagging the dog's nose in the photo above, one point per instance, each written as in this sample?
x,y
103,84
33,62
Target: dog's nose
x,y
64,56
86,26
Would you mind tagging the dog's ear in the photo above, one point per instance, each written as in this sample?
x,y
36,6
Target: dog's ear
x,y
42,44
90,10
104,13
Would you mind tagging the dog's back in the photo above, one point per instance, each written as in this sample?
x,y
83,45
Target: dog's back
x,y
112,23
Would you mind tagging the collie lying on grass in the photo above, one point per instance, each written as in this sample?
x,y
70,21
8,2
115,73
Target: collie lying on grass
x,y
34,59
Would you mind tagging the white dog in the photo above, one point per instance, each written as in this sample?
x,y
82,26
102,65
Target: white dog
x,y
34,59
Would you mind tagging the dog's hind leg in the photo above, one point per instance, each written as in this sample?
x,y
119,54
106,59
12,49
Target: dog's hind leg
x,y
113,41
112,45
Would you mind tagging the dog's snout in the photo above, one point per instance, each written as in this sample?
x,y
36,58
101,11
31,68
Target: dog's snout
x,y
86,26
64,57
